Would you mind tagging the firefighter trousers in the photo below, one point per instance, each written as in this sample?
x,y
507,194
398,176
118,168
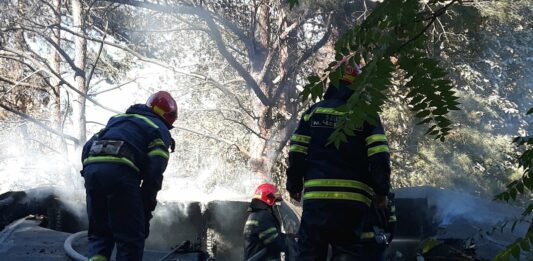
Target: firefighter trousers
x,y
321,229
115,211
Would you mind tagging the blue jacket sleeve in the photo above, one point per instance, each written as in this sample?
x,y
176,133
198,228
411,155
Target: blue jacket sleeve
x,y
378,157
157,158
298,150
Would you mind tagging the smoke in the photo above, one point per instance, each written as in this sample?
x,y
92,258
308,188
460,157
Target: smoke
x,y
210,183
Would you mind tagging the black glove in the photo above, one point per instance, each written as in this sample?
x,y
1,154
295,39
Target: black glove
x,y
148,207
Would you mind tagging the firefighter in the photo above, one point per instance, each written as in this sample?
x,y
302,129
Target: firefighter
x,y
262,231
339,184
132,149
378,230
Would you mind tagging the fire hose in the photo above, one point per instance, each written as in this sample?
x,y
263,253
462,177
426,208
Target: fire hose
x,y
73,254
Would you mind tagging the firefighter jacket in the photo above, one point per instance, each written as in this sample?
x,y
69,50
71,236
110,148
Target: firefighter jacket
x,y
141,141
380,221
262,234
353,173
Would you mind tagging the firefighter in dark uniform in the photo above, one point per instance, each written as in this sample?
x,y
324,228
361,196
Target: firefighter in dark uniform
x,y
339,184
262,232
378,230
132,149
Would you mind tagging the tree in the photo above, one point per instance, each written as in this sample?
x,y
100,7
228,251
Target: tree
x,y
521,187
268,47
80,74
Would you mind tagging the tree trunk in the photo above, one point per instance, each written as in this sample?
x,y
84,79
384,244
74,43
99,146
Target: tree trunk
x,y
79,60
259,162
55,62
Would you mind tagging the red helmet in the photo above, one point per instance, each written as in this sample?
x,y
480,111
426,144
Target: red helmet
x,y
164,105
352,70
267,193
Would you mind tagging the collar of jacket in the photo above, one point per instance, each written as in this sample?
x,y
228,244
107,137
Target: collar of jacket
x,y
144,110
257,205
342,92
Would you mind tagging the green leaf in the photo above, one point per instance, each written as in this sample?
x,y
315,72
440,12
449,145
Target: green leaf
x,y
528,210
426,120
525,245
515,251
520,187
513,193
422,114
292,3
420,106
530,111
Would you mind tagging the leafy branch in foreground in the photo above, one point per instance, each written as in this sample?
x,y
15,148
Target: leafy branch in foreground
x,y
521,186
395,30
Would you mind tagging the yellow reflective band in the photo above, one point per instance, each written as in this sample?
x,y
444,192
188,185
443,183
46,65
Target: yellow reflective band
x,y
392,219
337,195
375,138
271,238
252,223
159,152
301,138
330,111
348,77
159,111
345,183
268,231
378,149
367,235
95,159
156,142
98,258
307,116
298,148
150,122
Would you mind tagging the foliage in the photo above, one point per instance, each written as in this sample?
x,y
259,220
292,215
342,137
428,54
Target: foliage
x,y
487,59
522,186
396,29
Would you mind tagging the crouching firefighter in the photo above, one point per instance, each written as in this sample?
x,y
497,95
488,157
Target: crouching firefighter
x,y
132,149
378,230
262,232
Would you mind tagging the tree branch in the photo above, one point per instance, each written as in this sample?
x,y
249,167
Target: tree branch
x,y
20,83
39,123
215,36
47,68
431,19
87,84
114,88
243,151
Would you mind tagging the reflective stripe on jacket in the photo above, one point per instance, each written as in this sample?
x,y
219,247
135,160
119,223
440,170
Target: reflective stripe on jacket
x,y
354,172
262,234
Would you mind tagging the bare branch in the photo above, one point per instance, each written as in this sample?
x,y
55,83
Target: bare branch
x,y
245,126
39,123
20,83
431,19
47,68
310,51
115,87
215,36
87,84
95,122
242,150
